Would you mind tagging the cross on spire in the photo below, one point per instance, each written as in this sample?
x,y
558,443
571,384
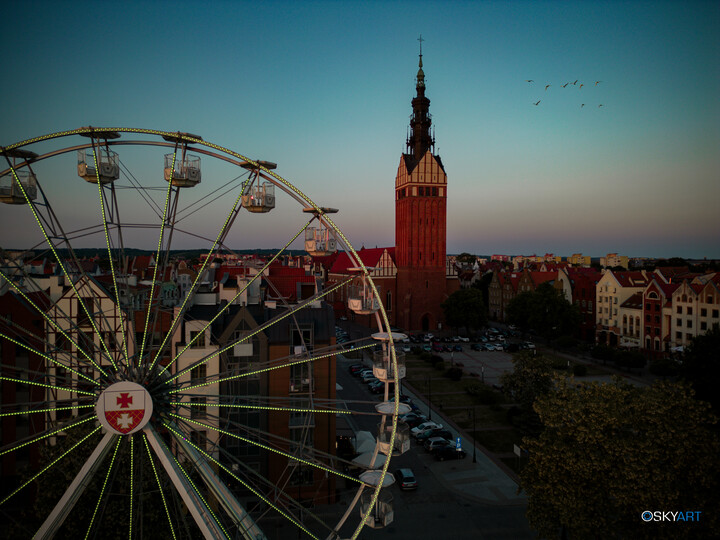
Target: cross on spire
x,y
420,39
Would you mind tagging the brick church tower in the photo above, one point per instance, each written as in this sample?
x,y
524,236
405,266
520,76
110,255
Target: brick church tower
x,y
420,222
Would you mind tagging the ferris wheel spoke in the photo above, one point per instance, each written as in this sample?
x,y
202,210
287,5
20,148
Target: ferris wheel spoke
x,y
47,467
260,328
51,222
187,445
238,295
53,360
76,488
44,435
267,447
51,321
102,489
114,215
183,307
204,517
159,485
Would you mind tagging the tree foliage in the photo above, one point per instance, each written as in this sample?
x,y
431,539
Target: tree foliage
x,y
531,377
546,310
111,521
609,452
465,308
701,367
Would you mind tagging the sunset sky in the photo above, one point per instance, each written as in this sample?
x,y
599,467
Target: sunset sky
x,y
324,89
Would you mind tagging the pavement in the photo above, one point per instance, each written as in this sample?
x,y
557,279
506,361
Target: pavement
x,y
484,480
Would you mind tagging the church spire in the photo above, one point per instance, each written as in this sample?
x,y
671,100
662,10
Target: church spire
x,y
420,140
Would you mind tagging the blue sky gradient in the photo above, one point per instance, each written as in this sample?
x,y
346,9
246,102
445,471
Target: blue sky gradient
x,y
324,90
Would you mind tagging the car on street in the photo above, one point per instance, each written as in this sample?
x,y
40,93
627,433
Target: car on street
x,y
434,443
413,419
424,426
367,376
443,453
405,479
355,369
457,348
476,347
429,433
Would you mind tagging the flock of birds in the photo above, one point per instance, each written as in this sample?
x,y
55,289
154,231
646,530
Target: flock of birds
x,y
574,83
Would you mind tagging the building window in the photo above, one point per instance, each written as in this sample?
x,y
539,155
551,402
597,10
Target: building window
x,y
197,407
688,323
688,337
198,340
689,310
679,310
388,301
715,313
703,312
647,307
198,374
678,335
199,439
679,323
703,325
657,319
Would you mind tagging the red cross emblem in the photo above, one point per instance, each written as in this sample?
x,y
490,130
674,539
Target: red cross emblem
x,y
124,410
124,400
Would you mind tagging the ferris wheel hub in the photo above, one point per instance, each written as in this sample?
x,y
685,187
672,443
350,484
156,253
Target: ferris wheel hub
x,y
124,408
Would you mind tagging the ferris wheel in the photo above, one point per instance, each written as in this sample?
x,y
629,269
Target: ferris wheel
x,y
179,392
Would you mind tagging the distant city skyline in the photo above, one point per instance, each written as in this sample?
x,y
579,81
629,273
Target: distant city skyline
x,y
324,90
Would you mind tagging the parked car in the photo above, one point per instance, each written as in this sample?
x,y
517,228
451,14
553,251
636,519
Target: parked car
x,y
355,369
434,443
457,348
367,376
448,452
375,386
529,344
413,419
476,347
406,349
464,339
424,426
437,347
429,433
405,479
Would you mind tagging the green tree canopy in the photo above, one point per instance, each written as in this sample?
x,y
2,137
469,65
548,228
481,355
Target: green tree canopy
x,y
610,452
546,310
465,308
531,377
465,257
701,367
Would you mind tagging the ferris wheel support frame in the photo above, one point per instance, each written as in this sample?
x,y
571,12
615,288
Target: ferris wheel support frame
x,y
76,488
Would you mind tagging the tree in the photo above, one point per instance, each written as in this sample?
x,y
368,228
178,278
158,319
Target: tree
x,y
609,452
465,308
531,378
701,366
465,257
150,519
546,310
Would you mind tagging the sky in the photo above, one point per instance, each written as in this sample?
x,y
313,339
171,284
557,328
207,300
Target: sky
x,y
630,165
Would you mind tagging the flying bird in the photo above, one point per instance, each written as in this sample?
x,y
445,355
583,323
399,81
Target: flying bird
x,y
581,85
564,85
538,101
582,105
575,82
596,82
600,105
547,86
529,80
